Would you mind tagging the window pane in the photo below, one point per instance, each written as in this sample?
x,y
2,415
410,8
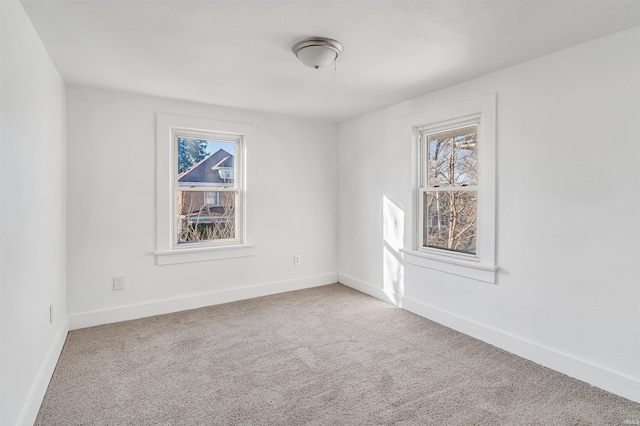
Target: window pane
x,y
205,162
200,219
453,158
450,220
212,198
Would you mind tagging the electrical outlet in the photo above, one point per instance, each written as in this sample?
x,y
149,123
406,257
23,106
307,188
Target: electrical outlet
x,y
296,260
118,283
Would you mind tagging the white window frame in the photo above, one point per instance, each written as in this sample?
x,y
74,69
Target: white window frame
x,y
167,250
481,266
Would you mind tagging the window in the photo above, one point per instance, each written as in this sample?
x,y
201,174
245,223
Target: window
x,y
200,190
455,190
212,198
449,188
206,161
226,173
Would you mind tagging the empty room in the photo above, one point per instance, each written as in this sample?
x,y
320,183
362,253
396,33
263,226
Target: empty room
x,y
325,212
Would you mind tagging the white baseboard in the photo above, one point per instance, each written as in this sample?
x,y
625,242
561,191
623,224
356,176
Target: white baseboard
x,y
167,306
595,375
369,289
601,377
40,385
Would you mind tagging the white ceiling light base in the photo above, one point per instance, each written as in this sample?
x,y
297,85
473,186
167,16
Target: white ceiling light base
x,y
317,52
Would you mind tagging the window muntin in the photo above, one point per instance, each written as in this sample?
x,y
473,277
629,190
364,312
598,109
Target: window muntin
x,y
206,194
449,188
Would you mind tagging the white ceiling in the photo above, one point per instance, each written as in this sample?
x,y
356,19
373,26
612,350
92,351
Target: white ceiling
x,y
238,52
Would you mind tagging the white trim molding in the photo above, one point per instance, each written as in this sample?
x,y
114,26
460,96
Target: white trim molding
x,y
39,388
599,376
194,301
462,267
596,375
369,289
198,254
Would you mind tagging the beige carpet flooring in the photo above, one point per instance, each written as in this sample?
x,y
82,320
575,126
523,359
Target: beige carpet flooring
x,y
323,356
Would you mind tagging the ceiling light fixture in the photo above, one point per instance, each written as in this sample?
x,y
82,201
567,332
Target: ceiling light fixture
x,y
316,52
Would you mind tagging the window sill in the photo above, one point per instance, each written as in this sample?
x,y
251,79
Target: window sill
x,y
469,268
200,254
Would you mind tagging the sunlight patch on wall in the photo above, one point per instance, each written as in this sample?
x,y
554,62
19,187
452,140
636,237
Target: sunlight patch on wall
x,y
393,241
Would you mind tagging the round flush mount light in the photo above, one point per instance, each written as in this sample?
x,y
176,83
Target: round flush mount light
x,y
316,52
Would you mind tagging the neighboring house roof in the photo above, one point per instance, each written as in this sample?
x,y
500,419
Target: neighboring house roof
x,y
207,169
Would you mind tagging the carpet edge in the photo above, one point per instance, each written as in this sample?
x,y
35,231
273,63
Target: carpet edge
x,y
373,291
194,301
39,387
593,374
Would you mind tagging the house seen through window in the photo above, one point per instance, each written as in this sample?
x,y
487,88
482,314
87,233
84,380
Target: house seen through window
x,y
206,191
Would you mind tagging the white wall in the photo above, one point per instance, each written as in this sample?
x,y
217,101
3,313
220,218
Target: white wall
x,y
568,286
291,209
32,225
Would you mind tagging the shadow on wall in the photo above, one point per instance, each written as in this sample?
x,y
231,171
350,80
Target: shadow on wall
x,y
393,240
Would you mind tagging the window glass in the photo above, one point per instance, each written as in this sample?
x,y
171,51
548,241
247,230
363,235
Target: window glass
x,y
450,220
453,158
205,215
204,162
449,195
199,221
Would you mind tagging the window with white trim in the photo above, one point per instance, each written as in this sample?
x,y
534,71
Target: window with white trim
x,y
200,190
454,226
